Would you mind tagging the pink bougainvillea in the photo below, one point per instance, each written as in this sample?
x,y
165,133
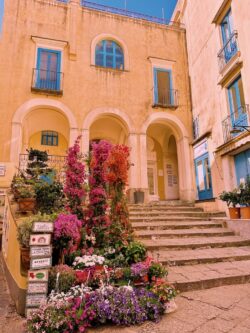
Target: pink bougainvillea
x,y
97,220
75,178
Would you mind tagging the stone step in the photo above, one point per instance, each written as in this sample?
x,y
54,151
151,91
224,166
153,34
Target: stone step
x,y
165,203
164,209
164,214
199,256
157,234
172,218
195,242
161,225
204,276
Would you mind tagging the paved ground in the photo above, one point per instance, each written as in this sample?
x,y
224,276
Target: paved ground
x,y
218,310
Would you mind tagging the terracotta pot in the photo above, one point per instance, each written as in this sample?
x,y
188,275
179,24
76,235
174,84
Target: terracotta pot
x,y
234,213
245,213
25,258
26,204
171,306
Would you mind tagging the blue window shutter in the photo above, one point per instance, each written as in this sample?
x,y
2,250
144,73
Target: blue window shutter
x,y
169,90
155,87
48,69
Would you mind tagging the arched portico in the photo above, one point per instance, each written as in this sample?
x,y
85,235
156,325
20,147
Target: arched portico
x,y
165,158
115,126
29,119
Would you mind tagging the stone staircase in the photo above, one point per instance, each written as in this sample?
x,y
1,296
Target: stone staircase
x,y
196,246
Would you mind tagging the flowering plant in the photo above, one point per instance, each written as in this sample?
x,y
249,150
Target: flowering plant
x,y
49,318
139,269
75,291
67,229
75,178
165,291
61,278
88,261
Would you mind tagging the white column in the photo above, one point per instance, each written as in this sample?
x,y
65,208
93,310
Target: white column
x,y
85,140
16,142
73,134
134,171
143,180
186,170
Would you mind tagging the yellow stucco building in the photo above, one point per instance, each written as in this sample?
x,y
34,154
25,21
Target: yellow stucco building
x,y
68,70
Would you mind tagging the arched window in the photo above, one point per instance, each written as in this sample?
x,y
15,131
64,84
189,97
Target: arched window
x,y
109,54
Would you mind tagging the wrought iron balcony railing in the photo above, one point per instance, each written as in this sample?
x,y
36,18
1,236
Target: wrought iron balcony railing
x,y
167,99
47,81
236,123
230,48
128,13
54,162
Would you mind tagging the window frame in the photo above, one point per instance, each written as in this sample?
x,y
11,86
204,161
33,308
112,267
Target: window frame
x,y
242,117
50,134
114,55
156,94
58,65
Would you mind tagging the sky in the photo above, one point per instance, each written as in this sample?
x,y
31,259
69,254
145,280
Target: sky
x,y
1,14
149,7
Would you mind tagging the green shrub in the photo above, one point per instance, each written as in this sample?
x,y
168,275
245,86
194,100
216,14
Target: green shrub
x,y
135,252
66,278
49,197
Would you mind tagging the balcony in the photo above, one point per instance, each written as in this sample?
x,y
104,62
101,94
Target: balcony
x,y
124,12
166,99
236,123
54,162
229,50
47,82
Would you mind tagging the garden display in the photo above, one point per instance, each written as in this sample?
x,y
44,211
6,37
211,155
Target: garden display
x,y
100,274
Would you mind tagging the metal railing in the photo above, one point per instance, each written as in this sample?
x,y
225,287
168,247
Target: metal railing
x,y
229,50
47,81
128,13
54,162
170,98
236,122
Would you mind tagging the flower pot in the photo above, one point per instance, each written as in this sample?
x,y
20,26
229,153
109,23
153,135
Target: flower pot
x,y
26,204
234,213
245,213
171,306
138,197
25,258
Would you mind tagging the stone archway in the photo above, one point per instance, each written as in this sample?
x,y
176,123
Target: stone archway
x,y
160,127
18,130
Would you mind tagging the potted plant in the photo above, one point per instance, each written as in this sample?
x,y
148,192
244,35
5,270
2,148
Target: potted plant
x,y
24,230
245,200
138,196
232,199
26,198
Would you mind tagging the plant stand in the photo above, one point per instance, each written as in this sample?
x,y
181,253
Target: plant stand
x,y
139,197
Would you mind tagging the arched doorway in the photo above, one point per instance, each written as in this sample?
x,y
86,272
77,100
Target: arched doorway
x,y
170,153
162,163
110,128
